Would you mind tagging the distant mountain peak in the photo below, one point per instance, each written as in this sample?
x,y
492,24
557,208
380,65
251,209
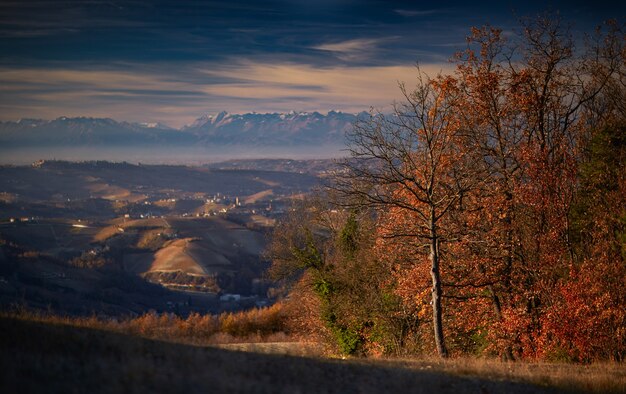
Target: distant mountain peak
x,y
250,129
290,128
155,125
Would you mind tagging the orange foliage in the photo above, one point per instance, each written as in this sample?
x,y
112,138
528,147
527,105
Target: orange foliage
x,y
512,279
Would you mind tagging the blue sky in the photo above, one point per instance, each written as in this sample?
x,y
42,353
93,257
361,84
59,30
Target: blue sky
x,y
172,61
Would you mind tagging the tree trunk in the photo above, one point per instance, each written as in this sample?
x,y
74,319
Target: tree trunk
x,y
436,292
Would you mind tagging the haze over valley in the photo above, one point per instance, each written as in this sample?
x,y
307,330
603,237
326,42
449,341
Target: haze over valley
x,y
208,139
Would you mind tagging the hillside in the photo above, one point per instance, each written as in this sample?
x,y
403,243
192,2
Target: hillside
x,y
68,189
87,237
38,357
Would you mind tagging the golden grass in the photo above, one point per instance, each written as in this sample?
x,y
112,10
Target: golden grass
x,y
263,331
608,377
53,358
251,326
301,349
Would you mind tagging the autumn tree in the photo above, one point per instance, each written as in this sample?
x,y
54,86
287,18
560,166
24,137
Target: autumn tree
x,y
493,200
525,104
413,169
338,290
592,297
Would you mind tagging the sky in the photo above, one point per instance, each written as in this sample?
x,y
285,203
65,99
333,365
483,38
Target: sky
x,y
173,61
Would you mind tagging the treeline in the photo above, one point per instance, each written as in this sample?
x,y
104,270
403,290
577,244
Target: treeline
x,y
486,215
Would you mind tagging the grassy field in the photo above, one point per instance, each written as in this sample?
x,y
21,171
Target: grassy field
x,y
56,358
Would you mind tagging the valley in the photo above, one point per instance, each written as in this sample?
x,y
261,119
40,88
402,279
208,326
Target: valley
x,y
123,239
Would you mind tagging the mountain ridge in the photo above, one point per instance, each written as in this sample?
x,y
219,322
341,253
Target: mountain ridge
x,y
263,129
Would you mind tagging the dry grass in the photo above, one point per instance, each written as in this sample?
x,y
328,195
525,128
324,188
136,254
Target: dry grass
x,y
301,349
251,326
54,358
260,332
593,378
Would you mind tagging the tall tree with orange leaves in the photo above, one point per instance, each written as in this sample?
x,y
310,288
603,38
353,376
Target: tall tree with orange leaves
x,y
413,168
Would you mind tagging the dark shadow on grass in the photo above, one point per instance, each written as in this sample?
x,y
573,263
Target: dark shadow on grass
x,y
38,357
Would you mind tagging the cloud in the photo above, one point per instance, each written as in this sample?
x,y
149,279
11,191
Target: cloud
x,y
412,13
131,94
355,50
345,88
170,62
137,93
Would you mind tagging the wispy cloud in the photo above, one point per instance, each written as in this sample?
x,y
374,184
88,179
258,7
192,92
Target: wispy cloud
x,y
124,94
136,94
355,50
412,13
145,60
351,45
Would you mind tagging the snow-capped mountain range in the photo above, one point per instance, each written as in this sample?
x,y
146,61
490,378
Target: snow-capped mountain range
x,y
270,129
